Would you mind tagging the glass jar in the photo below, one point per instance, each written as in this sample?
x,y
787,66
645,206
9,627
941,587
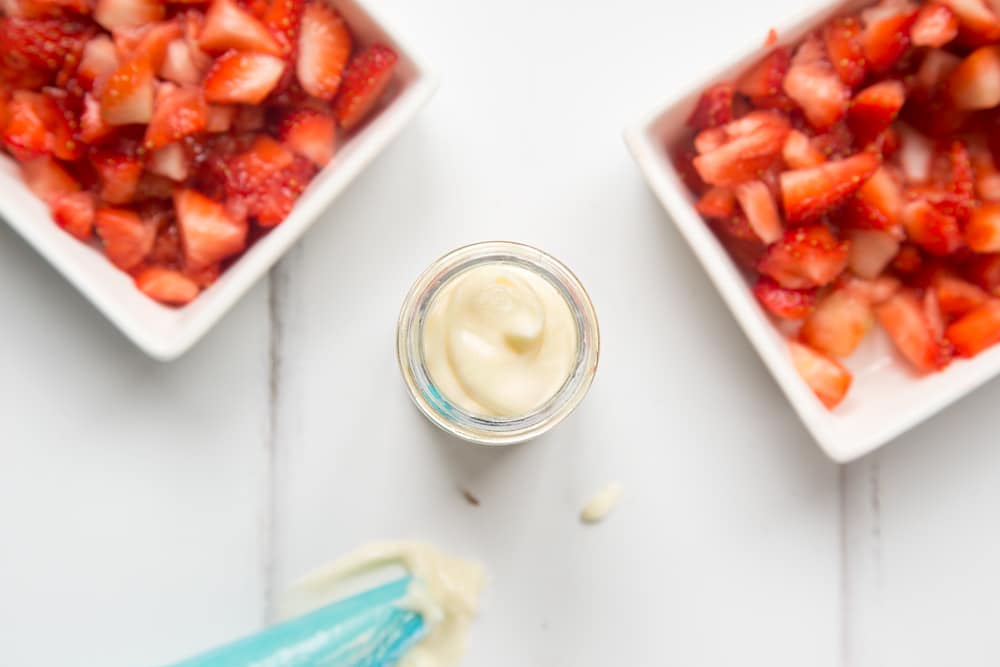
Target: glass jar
x,y
489,430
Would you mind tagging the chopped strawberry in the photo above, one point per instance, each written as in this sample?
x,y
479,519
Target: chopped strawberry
x,y
984,270
98,61
148,41
877,290
46,178
183,63
760,210
92,126
839,322
975,84
886,36
977,330
978,23
268,179
719,203
905,320
166,286
956,296
871,251
909,260
845,50
283,19
815,86
128,95
33,51
324,48
753,143
799,152
311,134
171,161
119,174
983,231
30,117
208,234
876,205
112,14
242,78
826,377
873,109
249,118
127,238
935,26
806,257
762,82
178,112
785,303
954,186
228,27
365,79
714,108
808,193
74,212
932,76
936,232
737,228
836,143
219,118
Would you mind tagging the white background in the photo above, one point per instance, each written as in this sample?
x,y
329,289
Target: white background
x,y
149,511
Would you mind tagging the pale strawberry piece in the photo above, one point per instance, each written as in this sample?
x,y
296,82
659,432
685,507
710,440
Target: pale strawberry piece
x,y
975,84
74,212
171,161
815,86
367,76
714,107
935,26
839,322
876,290
982,233
799,152
311,134
905,320
242,78
976,331
827,378
324,47
119,174
873,109
112,14
753,143
98,61
934,231
710,139
806,257
762,82
785,303
219,117
92,126
717,203
876,205
871,251
166,285
208,233
760,210
886,35
955,296
978,21
46,178
842,37
935,318
127,97
148,41
183,63
178,113
126,237
808,193
227,27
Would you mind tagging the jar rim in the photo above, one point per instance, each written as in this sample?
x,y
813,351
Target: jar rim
x,y
450,417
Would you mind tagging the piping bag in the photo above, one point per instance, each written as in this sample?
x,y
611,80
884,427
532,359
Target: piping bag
x,y
389,603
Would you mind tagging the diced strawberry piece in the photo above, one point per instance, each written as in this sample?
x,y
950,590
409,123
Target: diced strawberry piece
x,y
836,143
787,304
808,193
760,210
799,152
956,296
935,26
365,79
33,51
753,144
119,174
826,377
975,84
710,139
324,48
99,61
219,118
977,330
886,36
283,19
983,231
737,228
815,86
183,63
74,212
47,178
682,158
905,320
838,323
228,27
127,238
29,116
208,233
148,41
871,251
936,232
714,108
35,9
113,14
806,257
909,260
242,78
204,276
311,134
954,187
874,108
762,82
876,205
178,113
127,97
92,126
845,51
876,290
249,118
719,203
932,76
166,286
978,23
171,161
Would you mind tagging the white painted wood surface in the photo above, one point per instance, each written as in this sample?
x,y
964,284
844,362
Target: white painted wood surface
x,y
148,511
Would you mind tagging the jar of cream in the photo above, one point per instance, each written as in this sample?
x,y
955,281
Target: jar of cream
x,y
497,342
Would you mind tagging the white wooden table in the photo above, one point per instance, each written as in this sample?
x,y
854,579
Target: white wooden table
x,y
148,511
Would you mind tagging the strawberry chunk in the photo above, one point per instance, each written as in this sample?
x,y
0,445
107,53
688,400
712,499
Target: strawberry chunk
x,y
808,193
183,63
166,286
955,296
977,330
208,233
876,291
242,78
905,320
873,109
839,323
267,179
886,35
827,378
931,78
978,23
127,97
871,252
219,118
324,47
92,126
788,304
760,210
33,51
935,26
127,238
98,61
719,203
311,134
815,86
178,113
31,119
714,108
74,212
284,19
750,145
227,27
933,230
799,152
842,37
112,14
367,76
47,178
171,162
983,231
119,174
876,205
975,83
806,257
762,82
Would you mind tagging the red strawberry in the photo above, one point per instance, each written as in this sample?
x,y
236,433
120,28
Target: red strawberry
x,y
114,14
905,320
983,231
311,134
127,97
737,228
876,205
873,109
836,143
839,322
719,203
934,231
877,290
954,185
178,112
30,117
762,82
826,377
219,118
183,63
283,19
806,257
242,78
808,193
249,119
119,174
98,61
148,41
752,144
47,178
760,210
32,52
787,304
976,331
324,48
228,27
955,296
978,23
932,76
975,84
871,251
799,152
171,161
887,33
815,86
935,26
714,108
909,260
365,79
845,51
208,233
74,212
127,238
166,286
92,126
35,9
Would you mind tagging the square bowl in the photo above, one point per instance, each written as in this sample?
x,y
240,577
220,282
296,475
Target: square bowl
x,y
886,398
166,333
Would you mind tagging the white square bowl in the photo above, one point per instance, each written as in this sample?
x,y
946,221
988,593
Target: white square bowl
x,y
886,398
165,333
